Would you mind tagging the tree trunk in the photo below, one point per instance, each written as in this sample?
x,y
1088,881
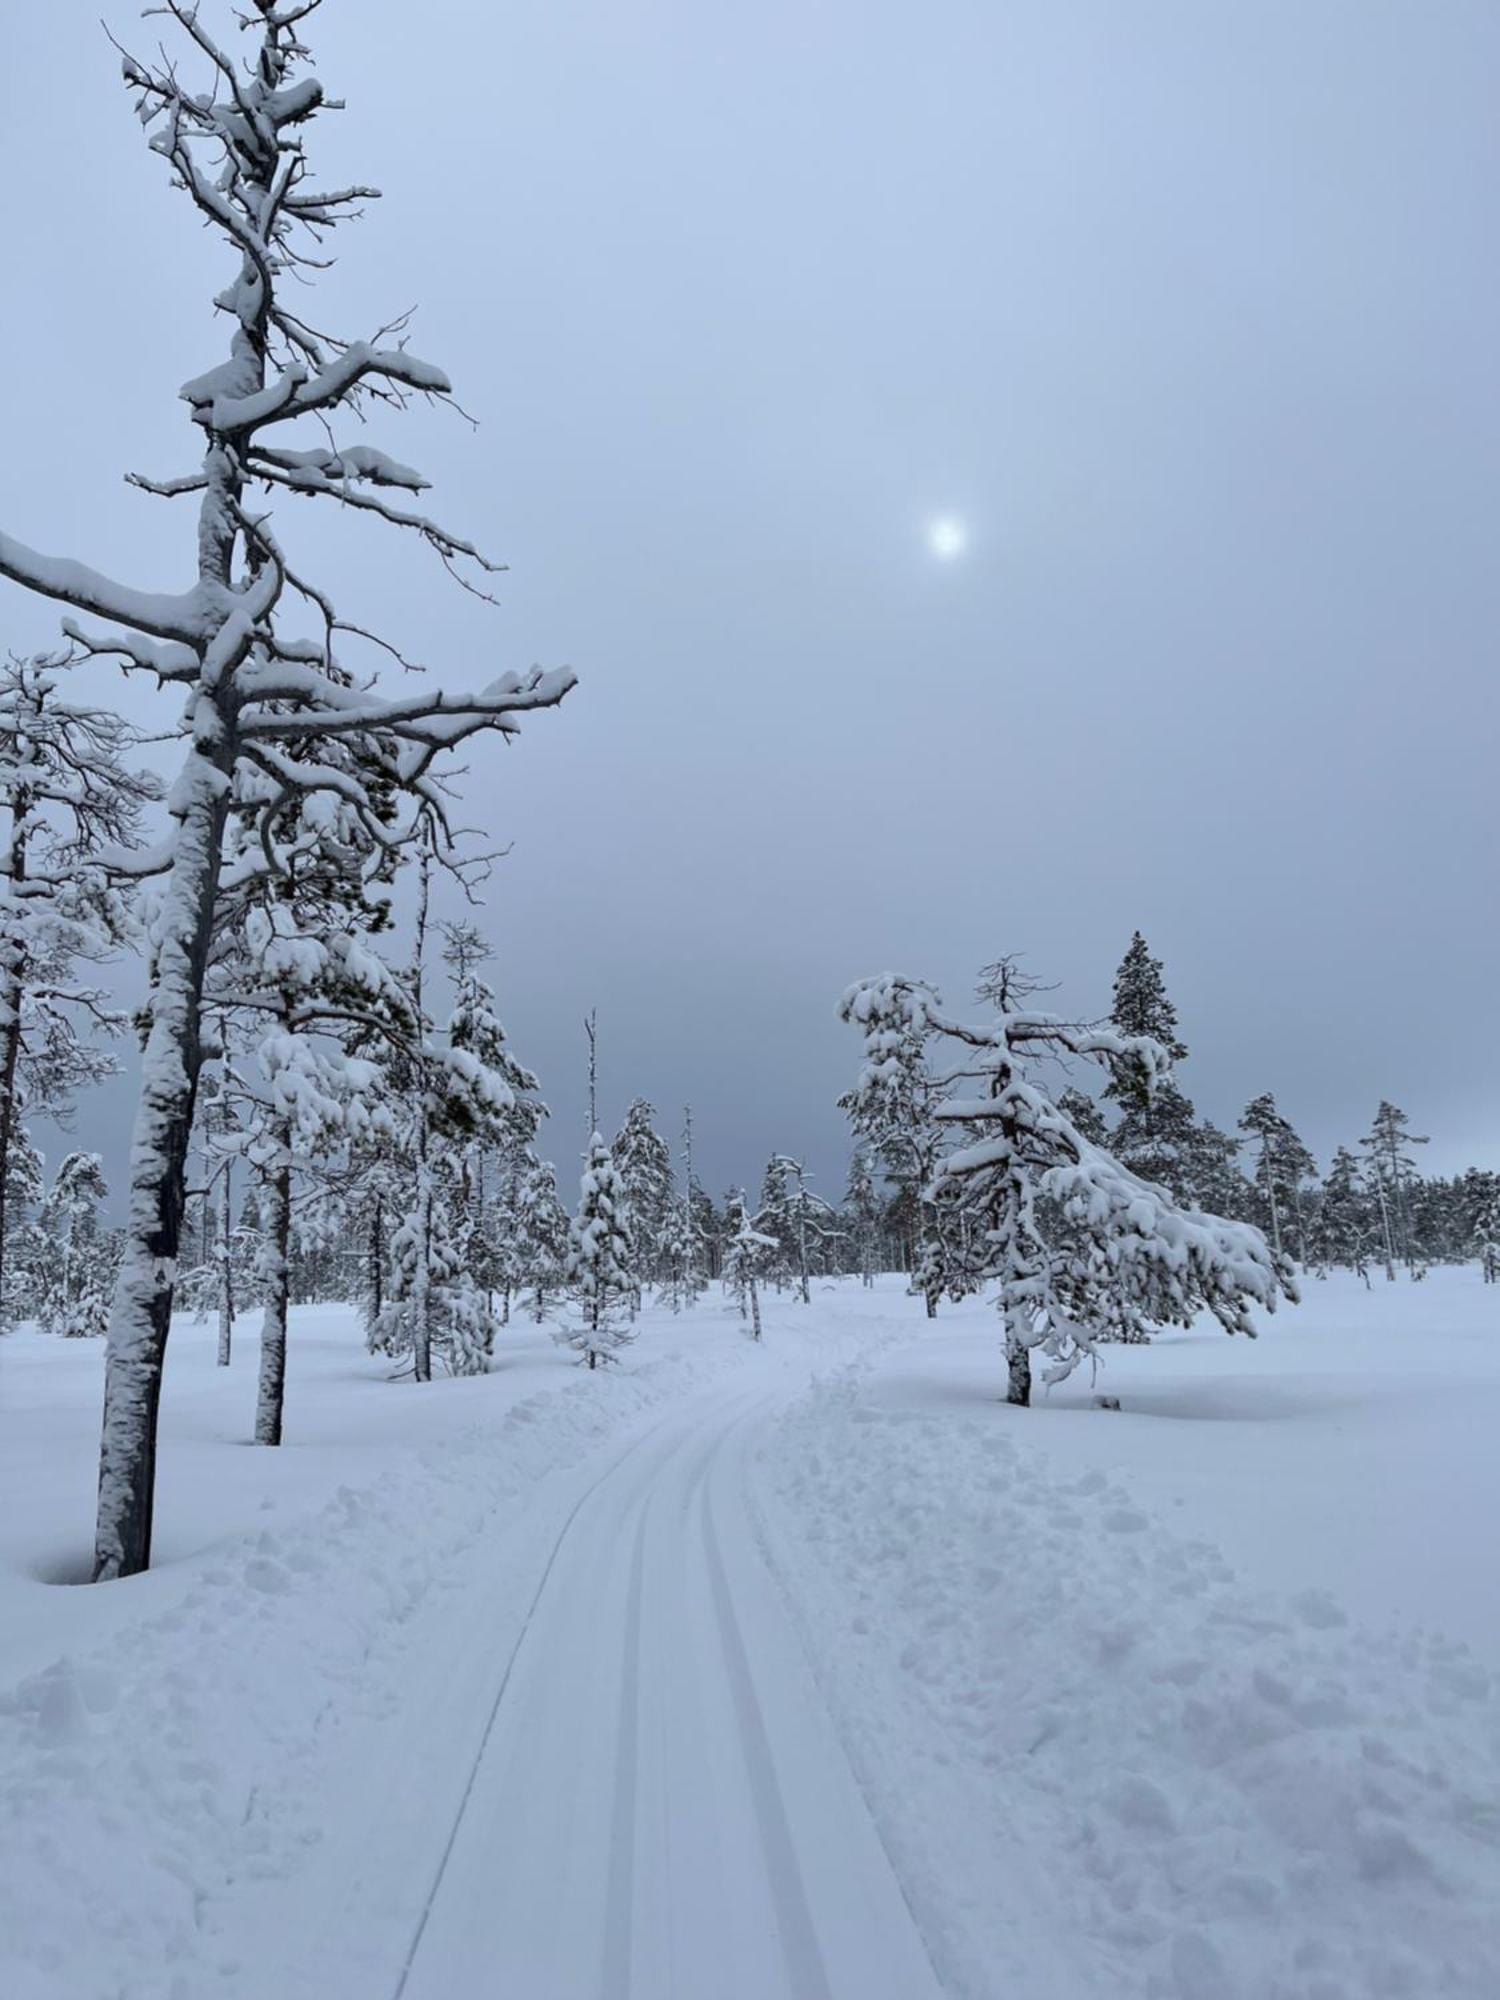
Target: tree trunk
x,y
141,1314
754,1310
272,1393
226,1269
422,1281
377,1260
1018,1366
12,997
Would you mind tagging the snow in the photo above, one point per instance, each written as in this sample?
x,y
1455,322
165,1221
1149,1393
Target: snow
x,y
805,1669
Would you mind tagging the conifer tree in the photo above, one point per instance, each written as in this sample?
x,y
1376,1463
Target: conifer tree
x,y
643,1161
77,1266
1345,1223
542,1235
1282,1162
865,1210
1393,1174
1127,1257
684,1249
598,1269
749,1254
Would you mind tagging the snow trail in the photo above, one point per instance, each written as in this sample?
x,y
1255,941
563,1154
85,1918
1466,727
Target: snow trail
x,y
661,1806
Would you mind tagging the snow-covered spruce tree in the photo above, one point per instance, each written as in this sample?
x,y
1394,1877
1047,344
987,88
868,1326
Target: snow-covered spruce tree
x,y
440,1100
1392,1174
69,807
498,1158
1483,1203
643,1160
1140,1008
891,1106
541,1236
865,1210
750,1255
797,1220
683,1247
77,1273
598,1271
1157,1136
1127,1257
252,686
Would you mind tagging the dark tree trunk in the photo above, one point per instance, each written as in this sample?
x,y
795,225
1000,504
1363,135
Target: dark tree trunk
x,y
272,1396
10,1043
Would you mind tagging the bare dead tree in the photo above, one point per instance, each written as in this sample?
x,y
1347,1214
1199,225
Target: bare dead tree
x,y
261,698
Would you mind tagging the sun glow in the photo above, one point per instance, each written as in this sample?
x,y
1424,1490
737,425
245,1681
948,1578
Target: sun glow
x,y
947,537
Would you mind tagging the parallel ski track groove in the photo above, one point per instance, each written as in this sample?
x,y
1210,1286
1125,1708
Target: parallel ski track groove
x,y
505,1679
800,1946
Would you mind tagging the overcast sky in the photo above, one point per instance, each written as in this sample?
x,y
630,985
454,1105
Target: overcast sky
x,y
1189,311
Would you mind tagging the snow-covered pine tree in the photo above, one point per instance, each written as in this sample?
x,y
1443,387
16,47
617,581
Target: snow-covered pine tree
x,y
1346,1229
1283,1164
750,1255
1393,1175
643,1161
1128,1257
598,1269
254,686
71,811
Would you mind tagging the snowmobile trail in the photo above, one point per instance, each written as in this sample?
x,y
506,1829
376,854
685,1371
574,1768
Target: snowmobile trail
x,y
661,1808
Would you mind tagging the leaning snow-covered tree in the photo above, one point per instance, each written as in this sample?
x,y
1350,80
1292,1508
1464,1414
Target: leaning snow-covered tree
x,y
1125,1256
69,803
250,645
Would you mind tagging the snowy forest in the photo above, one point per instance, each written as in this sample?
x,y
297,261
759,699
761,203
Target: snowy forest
x,y
329,1107
258,889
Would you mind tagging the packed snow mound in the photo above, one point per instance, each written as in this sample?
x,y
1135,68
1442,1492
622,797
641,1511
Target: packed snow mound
x,y
1228,1796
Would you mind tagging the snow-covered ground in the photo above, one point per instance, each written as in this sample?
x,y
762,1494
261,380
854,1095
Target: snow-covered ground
x,y
809,1670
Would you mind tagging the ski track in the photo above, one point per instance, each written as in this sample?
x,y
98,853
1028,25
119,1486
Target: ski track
x,y
659,1807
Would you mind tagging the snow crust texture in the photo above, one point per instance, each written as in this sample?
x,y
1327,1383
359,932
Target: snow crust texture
x,y
1221,1795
